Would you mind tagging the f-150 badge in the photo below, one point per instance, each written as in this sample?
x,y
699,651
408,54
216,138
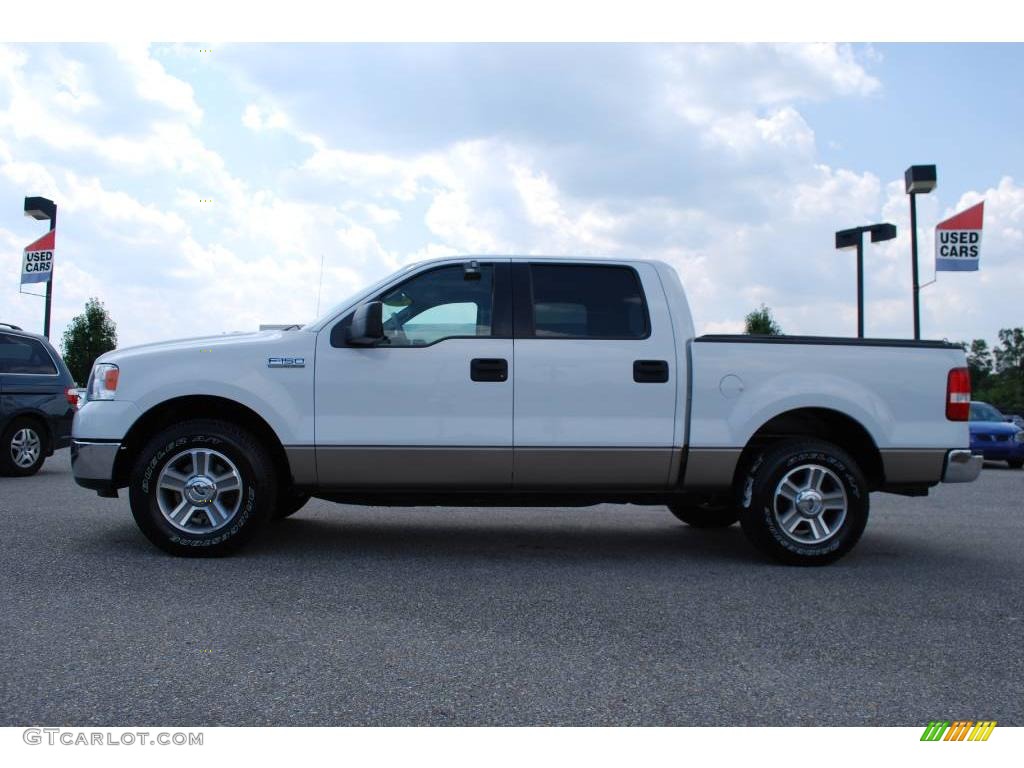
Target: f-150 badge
x,y
286,362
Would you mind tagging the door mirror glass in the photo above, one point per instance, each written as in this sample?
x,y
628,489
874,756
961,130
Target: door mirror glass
x,y
367,326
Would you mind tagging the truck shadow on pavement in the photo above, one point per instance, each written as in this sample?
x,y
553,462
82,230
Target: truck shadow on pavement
x,y
507,539
339,538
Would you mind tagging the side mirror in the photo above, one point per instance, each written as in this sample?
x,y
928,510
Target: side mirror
x,y
367,326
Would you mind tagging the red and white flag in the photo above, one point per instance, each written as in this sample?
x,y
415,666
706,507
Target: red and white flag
x,y
958,241
37,266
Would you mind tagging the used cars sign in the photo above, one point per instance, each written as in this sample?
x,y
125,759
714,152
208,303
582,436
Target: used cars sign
x,y
958,241
37,266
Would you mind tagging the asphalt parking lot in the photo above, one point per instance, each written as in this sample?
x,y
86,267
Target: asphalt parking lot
x,y
611,615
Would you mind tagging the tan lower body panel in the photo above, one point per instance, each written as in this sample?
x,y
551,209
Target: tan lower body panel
x,y
913,465
711,467
483,467
413,467
715,467
302,462
593,467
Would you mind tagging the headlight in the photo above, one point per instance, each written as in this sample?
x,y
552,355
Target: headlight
x,y
1019,437
103,382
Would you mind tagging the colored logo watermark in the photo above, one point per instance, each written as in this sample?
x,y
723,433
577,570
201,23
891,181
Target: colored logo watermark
x,y
958,730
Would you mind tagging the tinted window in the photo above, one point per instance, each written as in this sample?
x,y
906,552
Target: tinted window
x,y
21,355
439,304
984,412
587,302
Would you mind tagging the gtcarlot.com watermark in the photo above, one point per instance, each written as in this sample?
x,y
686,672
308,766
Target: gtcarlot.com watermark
x,y
74,737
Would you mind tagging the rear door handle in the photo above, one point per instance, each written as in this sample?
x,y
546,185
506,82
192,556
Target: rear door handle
x,y
488,369
650,371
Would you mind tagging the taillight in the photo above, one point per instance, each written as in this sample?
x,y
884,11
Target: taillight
x,y
958,395
71,396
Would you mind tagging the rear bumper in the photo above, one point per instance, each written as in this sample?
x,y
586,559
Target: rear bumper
x,y
92,463
962,466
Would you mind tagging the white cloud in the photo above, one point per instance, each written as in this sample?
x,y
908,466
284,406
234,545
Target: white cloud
x,y
259,118
839,194
831,63
129,217
72,93
153,83
743,97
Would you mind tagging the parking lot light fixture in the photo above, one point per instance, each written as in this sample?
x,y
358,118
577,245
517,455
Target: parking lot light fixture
x,y
854,238
918,180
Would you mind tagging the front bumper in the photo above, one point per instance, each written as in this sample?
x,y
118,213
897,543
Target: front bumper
x,y
962,466
1001,451
92,463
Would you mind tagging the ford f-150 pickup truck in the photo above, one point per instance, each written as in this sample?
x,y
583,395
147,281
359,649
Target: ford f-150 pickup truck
x,y
520,381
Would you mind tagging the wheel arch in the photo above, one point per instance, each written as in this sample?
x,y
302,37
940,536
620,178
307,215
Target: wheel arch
x,y
179,409
826,424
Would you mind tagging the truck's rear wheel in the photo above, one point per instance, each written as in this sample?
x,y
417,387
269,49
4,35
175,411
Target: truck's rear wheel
x,y
804,502
202,488
700,516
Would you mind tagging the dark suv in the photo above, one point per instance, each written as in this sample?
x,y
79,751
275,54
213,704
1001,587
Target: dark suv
x,y
37,402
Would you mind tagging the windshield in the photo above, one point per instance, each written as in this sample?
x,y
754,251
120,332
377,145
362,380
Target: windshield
x,y
984,412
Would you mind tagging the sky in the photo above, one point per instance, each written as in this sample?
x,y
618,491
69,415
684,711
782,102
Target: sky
x,y
201,186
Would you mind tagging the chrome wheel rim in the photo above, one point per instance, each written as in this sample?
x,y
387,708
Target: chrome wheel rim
x,y
810,504
199,491
26,447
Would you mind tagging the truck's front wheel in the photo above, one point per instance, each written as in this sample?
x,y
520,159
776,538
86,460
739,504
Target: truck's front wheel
x,y
804,502
202,488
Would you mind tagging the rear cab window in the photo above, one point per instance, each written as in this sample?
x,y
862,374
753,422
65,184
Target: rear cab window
x,y
588,301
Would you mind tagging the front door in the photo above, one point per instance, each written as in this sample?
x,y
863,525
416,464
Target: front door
x,y
432,404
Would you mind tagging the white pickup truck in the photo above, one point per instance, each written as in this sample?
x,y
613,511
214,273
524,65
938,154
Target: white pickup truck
x,y
523,381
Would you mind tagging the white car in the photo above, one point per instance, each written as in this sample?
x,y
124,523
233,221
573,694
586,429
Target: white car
x,y
521,381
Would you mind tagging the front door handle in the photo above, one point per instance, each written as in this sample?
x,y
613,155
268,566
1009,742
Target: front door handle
x,y
650,371
488,369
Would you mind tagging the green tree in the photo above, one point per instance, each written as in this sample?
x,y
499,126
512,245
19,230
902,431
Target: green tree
x,y
979,362
761,323
88,336
1010,355
1002,382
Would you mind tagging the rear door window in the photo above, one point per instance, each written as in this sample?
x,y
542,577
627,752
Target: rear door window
x,y
588,302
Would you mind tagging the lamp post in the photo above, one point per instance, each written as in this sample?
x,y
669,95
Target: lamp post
x,y
854,238
919,180
41,209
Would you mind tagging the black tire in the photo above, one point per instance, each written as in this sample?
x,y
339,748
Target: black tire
x,y
762,520
705,516
253,504
22,429
289,501
1015,463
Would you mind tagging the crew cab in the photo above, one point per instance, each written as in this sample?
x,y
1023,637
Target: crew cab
x,y
523,381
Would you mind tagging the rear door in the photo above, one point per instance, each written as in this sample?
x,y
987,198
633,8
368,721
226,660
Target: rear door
x,y
595,376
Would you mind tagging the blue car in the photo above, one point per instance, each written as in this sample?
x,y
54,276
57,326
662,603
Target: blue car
x,y
994,438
